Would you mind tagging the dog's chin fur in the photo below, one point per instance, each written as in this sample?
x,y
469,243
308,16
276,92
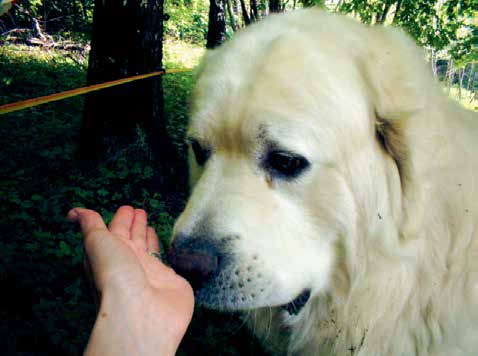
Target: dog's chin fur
x,y
383,227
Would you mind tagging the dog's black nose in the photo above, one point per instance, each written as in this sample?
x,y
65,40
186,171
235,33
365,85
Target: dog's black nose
x,y
196,261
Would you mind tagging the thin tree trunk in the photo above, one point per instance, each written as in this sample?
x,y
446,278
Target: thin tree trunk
x,y
245,15
254,11
471,77
397,10
75,14
84,11
461,75
274,6
216,33
230,13
37,29
235,7
337,7
433,62
383,16
450,75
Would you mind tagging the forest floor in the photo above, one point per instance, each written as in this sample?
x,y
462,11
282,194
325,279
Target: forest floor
x,y
45,304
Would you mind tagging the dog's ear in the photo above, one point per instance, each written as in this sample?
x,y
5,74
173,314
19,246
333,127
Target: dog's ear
x,y
399,84
399,78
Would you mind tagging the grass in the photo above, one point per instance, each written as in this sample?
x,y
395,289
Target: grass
x,y
465,97
181,54
45,304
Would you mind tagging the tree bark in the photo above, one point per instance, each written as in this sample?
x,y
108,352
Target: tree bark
x,y
433,63
126,41
450,75
254,10
397,9
245,15
383,16
461,76
230,13
471,76
216,32
235,6
274,6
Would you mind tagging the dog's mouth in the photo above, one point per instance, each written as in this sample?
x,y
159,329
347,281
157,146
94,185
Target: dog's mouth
x,y
294,307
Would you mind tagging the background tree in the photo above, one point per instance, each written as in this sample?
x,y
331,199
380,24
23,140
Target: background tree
x,y
216,33
245,14
254,10
447,29
274,6
127,40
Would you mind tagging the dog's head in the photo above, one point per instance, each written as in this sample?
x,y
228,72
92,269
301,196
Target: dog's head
x,y
295,159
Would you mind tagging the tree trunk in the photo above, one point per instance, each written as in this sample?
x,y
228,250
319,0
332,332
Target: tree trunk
x,y
84,10
471,76
397,9
383,16
433,62
235,6
126,40
450,75
216,32
245,15
37,29
230,13
274,6
461,76
254,11
75,14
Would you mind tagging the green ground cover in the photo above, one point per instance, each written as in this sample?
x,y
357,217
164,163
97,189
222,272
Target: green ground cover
x,y
46,305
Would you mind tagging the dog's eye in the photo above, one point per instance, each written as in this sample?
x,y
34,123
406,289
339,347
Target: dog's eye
x,y
201,153
285,164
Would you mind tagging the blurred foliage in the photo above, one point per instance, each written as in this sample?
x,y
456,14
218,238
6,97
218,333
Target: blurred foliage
x,y
53,15
449,25
187,21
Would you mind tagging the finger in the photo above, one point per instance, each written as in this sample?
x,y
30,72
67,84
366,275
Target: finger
x,y
152,240
89,220
122,221
138,228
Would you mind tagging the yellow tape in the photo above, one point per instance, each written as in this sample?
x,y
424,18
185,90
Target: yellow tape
x,y
20,105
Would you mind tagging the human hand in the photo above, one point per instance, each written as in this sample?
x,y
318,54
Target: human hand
x,y
145,306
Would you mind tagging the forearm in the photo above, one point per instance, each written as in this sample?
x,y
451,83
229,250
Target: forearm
x,y
127,329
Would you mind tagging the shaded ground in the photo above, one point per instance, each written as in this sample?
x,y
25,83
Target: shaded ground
x,y
45,304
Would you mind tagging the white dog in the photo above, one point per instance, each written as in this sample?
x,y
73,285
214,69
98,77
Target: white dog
x,y
336,192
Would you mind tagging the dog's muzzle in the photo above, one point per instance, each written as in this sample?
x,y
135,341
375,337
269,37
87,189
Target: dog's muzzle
x,y
196,261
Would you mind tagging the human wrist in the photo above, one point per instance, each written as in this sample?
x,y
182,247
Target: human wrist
x,y
124,325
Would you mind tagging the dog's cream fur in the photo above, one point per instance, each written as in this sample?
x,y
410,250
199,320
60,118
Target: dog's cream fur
x,y
382,227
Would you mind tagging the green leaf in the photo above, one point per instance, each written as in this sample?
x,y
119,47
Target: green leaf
x,y
102,192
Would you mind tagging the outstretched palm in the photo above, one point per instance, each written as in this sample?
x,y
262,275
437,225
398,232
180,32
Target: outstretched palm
x,y
122,265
